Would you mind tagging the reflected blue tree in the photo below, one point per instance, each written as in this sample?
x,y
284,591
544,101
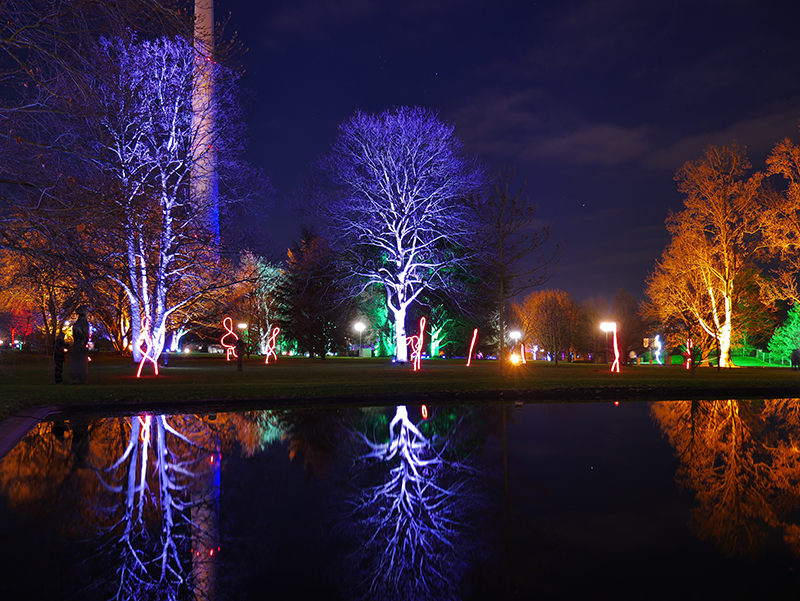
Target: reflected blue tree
x,y
413,528
169,487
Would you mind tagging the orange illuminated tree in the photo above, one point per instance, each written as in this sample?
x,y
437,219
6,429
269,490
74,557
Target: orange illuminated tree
x,y
699,278
550,320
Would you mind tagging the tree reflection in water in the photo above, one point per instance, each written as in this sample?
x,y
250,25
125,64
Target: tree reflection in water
x,y
147,486
742,460
412,511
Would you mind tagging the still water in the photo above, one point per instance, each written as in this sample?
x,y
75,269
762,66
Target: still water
x,y
661,500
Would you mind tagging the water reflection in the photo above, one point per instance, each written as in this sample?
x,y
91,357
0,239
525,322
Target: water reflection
x,y
379,503
146,488
741,459
414,506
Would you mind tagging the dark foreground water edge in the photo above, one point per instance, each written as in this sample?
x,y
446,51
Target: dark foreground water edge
x,y
656,500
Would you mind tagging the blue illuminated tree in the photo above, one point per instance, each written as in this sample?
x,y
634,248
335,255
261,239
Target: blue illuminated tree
x,y
159,247
397,214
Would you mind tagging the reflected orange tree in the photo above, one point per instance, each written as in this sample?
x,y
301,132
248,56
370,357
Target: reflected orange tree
x,y
741,458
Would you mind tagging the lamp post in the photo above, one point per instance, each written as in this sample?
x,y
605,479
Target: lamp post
x,y
611,326
359,327
515,336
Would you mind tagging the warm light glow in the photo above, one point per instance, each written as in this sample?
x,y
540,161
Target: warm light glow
x,y
271,343
144,338
416,343
472,346
611,326
515,359
359,327
242,326
515,335
230,349
424,412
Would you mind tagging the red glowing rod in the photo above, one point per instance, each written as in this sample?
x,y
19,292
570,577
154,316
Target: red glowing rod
x,y
144,338
689,345
472,346
230,349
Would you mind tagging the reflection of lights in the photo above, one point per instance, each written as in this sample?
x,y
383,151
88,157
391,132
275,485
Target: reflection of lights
x,y
144,338
611,326
230,349
472,346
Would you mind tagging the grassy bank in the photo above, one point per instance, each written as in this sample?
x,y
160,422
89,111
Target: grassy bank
x,y
27,380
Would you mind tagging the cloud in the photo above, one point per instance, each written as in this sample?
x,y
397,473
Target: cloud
x,y
601,143
519,127
759,134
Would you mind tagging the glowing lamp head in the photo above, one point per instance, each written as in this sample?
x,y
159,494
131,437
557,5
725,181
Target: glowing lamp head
x,y
359,327
515,335
609,326
242,326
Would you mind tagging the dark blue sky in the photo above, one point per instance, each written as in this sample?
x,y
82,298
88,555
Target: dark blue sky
x,y
597,103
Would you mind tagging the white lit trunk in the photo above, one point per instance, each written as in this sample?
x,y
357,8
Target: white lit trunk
x,y
400,333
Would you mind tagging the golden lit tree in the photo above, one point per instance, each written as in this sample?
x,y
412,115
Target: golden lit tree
x,y
549,318
699,277
780,221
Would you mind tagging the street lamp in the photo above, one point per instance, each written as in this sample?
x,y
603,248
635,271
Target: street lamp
x,y
611,326
515,336
359,327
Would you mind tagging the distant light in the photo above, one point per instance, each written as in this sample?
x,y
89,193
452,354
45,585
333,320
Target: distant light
x,y
424,412
242,326
516,335
186,350
515,359
359,327
608,326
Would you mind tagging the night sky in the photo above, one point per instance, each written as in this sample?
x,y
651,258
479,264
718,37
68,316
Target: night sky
x,y
596,103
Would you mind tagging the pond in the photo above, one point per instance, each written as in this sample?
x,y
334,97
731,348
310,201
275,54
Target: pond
x,y
659,500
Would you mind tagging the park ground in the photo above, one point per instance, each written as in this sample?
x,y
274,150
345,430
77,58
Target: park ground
x,y
26,381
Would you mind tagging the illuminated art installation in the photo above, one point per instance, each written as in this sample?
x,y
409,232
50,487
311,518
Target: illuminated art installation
x,y
657,347
472,346
424,412
611,326
144,338
230,349
271,343
689,345
416,345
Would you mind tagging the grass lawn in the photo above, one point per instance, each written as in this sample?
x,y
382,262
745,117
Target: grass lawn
x,y
27,380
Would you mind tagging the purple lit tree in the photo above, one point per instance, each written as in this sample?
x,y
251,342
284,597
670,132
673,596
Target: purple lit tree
x,y
398,215
159,247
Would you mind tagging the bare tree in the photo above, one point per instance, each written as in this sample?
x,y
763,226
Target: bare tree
x,y
513,247
398,215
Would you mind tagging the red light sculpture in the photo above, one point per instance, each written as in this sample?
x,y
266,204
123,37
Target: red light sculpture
x,y
271,343
144,338
472,346
416,345
230,349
